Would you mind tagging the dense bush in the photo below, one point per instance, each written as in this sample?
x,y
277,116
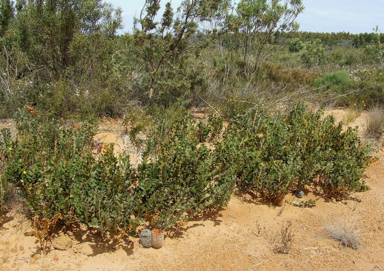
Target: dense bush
x,y
184,176
334,78
313,54
295,45
61,170
277,154
368,92
292,77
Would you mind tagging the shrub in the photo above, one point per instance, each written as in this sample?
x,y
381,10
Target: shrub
x,y
351,60
335,78
295,45
60,172
344,231
375,123
188,167
352,92
56,168
313,54
186,176
374,52
292,77
276,154
3,196
5,138
285,239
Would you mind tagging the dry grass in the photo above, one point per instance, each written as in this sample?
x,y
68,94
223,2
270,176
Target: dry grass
x,y
282,239
375,123
345,231
352,115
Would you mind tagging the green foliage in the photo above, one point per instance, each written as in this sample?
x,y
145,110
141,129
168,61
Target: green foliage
x,y
295,45
254,24
334,78
366,86
364,39
160,46
274,155
63,58
6,14
59,170
64,45
374,52
313,54
186,176
351,60
4,191
47,29
290,77
5,139
56,168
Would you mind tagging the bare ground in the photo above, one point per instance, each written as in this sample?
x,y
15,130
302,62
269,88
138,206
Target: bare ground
x,y
243,237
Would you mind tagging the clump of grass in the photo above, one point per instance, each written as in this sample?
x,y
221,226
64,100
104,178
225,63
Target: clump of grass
x,y
283,239
352,115
344,231
375,123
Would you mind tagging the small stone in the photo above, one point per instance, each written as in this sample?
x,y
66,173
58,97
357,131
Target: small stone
x,y
14,249
62,242
146,238
299,194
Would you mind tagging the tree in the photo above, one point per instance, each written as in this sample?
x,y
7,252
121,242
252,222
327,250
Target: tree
x,y
6,14
161,45
47,29
254,24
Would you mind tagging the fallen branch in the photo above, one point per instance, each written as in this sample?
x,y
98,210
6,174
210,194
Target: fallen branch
x,y
208,104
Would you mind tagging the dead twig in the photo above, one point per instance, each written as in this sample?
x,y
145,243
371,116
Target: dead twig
x,y
255,257
208,104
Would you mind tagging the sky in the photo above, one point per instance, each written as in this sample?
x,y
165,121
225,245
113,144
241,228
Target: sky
x,y
354,16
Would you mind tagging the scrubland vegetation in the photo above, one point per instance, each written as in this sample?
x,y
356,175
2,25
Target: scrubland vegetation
x,y
63,67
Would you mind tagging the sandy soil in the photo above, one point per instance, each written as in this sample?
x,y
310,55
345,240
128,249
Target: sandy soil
x,y
242,237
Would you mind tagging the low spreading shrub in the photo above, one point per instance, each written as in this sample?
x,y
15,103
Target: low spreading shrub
x,y
277,154
60,172
334,78
292,77
355,92
185,176
188,168
56,168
